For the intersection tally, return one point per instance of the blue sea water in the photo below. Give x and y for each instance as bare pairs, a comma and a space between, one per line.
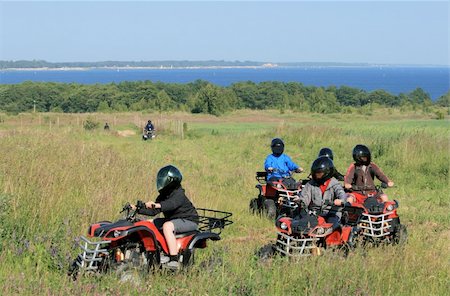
434, 80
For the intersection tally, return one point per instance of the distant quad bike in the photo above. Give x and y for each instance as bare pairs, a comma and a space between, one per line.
134, 244
311, 235
271, 194
379, 222
148, 135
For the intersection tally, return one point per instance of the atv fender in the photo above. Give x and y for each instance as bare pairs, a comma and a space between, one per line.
198, 239
146, 235
259, 186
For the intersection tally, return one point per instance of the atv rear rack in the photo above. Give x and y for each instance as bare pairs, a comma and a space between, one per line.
375, 225
295, 247
212, 220
92, 254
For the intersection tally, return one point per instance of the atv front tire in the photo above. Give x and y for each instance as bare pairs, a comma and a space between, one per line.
400, 235
271, 208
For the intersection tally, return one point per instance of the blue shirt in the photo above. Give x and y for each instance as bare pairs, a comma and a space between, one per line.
282, 165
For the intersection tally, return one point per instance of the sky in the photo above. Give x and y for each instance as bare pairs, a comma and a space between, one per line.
379, 32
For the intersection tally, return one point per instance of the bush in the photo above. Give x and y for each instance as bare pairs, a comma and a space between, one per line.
440, 115
90, 124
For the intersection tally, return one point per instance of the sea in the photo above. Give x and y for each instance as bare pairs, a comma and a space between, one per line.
433, 80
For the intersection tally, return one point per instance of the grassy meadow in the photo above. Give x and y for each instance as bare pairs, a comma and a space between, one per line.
56, 178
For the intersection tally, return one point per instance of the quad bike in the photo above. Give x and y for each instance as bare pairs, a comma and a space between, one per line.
148, 135
379, 220
132, 243
309, 234
271, 194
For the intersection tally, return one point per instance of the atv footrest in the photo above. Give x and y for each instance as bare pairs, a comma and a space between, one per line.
295, 247
92, 253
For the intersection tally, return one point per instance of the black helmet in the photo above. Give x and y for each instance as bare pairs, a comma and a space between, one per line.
325, 165
326, 152
168, 177
277, 146
361, 151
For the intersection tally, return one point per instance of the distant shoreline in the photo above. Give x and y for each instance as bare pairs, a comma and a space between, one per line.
220, 67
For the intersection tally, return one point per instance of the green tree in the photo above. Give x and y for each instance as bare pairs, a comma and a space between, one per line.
103, 107
444, 100
163, 102
210, 100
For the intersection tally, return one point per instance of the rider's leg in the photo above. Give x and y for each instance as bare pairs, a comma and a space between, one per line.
169, 234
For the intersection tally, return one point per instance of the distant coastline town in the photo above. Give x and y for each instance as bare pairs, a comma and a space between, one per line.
35, 65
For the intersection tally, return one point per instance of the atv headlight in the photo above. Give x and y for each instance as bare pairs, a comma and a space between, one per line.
389, 208
283, 226
117, 233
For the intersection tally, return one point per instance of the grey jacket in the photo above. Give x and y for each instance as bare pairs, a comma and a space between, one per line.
311, 195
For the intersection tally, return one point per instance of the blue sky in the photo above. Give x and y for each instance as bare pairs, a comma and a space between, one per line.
401, 32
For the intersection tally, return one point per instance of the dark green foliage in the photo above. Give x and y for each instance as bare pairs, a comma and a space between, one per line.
444, 101
200, 97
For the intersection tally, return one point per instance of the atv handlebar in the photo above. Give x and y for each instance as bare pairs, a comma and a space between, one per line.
377, 188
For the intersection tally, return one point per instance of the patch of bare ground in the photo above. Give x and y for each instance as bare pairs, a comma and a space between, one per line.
126, 133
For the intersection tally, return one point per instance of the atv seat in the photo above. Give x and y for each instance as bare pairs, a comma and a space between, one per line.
104, 228
184, 234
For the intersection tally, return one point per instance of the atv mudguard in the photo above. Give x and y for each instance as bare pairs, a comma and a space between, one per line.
199, 239
147, 236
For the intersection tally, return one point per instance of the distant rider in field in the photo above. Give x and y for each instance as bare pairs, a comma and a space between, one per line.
149, 127
279, 166
360, 176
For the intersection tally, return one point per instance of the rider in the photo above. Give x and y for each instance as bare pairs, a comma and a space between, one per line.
322, 192
329, 153
360, 176
180, 214
149, 127
278, 165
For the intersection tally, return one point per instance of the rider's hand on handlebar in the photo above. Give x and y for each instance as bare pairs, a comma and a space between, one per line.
270, 169
338, 202
150, 205
299, 170
348, 186
133, 207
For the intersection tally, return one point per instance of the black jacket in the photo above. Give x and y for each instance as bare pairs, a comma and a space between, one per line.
174, 205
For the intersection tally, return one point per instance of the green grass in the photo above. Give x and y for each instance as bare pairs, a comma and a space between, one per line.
56, 180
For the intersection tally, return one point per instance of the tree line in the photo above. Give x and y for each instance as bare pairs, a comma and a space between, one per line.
200, 97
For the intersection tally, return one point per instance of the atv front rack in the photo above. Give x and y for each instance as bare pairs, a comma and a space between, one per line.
296, 247
212, 220
375, 225
93, 253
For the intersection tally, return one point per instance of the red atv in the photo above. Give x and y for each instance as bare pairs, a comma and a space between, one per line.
379, 221
271, 194
139, 244
311, 234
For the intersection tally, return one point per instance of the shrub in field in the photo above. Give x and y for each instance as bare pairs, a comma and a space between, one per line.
90, 124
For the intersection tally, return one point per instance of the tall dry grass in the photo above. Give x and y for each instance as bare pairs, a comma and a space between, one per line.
55, 181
